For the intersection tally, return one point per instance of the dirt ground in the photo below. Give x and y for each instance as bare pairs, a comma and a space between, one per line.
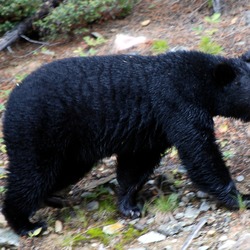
181, 23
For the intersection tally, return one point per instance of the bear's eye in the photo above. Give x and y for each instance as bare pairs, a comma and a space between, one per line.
237, 83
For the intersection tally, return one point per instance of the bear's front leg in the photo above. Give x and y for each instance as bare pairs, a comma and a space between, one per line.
133, 171
200, 154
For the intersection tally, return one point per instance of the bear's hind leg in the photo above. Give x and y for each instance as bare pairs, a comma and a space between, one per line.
133, 170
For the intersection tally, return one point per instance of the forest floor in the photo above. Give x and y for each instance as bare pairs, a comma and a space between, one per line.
181, 24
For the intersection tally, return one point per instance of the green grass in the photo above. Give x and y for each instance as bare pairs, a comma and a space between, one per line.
159, 46
208, 46
166, 203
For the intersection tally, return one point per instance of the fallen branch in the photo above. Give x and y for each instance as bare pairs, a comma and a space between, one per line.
194, 233
22, 28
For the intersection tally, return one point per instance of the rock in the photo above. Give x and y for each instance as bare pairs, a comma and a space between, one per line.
145, 23
243, 242
3, 171
151, 237
150, 221
123, 42
204, 207
204, 248
240, 178
139, 248
223, 238
170, 229
113, 228
8, 238
86, 194
58, 226
178, 48
211, 232
140, 226
190, 195
168, 248
191, 213
247, 17
3, 222
227, 245
179, 216
182, 170
201, 195
93, 205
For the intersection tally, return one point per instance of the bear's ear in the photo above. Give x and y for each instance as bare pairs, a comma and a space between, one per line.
224, 74
246, 57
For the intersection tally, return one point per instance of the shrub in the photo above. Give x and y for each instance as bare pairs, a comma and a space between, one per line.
72, 15
14, 11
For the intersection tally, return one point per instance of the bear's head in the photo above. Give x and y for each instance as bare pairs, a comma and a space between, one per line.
232, 79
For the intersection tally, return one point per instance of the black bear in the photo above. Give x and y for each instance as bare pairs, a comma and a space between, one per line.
69, 114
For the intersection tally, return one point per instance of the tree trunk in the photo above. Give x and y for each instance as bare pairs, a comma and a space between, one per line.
11, 36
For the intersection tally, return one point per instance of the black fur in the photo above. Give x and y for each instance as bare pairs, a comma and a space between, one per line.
68, 114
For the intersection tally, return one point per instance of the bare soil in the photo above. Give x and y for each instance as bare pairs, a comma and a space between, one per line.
174, 21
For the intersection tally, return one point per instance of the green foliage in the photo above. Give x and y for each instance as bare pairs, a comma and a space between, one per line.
13, 11
3, 96
159, 46
97, 233
92, 42
167, 203
210, 3
128, 236
72, 240
208, 46
35, 233
228, 154
215, 18
2, 189
198, 30
74, 14
242, 205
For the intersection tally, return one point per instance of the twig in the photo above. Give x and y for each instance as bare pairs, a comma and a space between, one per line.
34, 41
194, 233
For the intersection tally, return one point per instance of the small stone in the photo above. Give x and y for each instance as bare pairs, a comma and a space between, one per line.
92, 206
150, 221
140, 226
151, 237
86, 194
133, 222
191, 212
179, 216
182, 170
201, 195
190, 195
145, 23
247, 17
8, 238
228, 245
204, 207
203, 248
240, 178
223, 238
211, 232
3, 222
168, 248
139, 248
170, 229
58, 226
243, 242
113, 228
